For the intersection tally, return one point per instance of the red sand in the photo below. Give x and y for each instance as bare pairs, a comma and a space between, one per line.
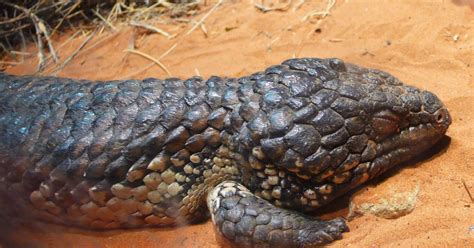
428, 44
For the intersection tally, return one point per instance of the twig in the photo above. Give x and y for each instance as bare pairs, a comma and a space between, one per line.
14, 30
61, 46
130, 75
23, 44
321, 14
73, 54
156, 61
467, 190
335, 40
100, 41
298, 5
40, 28
39, 25
79, 12
132, 40
176, 43
151, 28
203, 29
43, 29
14, 19
9, 48
104, 20
205, 17
41, 60
182, 20
145, 10
113, 12
133, 74
264, 8
269, 47
9, 63
20, 53
73, 7
5, 49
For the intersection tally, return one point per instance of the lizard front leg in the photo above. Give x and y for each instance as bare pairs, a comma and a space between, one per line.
242, 219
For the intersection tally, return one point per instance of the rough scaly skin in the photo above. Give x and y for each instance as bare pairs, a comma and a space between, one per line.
260, 150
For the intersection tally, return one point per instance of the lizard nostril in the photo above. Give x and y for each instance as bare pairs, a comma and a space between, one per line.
440, 116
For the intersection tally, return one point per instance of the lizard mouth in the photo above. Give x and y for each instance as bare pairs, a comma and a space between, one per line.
409, 142
392, 151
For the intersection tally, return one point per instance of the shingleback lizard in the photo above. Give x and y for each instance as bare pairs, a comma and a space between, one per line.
256, 152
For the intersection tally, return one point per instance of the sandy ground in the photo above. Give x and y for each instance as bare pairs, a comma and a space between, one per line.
429, 44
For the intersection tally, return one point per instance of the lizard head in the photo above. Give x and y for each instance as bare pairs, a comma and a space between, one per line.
355, 124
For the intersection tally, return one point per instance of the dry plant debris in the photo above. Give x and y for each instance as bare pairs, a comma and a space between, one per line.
266, 7
38, 21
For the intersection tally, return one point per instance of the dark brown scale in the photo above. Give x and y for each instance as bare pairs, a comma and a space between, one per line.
97, 167
236, 121
323, 98
273, 99
138, 170
357, 143
249, 110
173, 114
176, 139
306, 114
281, 121
195, 119
259, 126
328, 121
297, 103
180, 158
274, 148
288, 160
318, 161
335, 139
303, 139
355, 125
195, 143
245, 91
347, 107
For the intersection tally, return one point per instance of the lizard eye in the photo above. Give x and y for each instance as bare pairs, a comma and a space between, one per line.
385, 122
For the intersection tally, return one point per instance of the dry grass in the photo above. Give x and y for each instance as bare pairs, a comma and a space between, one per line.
38, 21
